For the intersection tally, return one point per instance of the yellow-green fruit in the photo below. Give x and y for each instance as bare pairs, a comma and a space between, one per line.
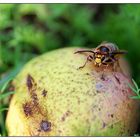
55, 98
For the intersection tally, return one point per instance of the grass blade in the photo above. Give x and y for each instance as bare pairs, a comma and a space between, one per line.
6, 94
3, 109
3, 128
135, 84
5, 86
135, 97
132, 88
135, 89
10, 75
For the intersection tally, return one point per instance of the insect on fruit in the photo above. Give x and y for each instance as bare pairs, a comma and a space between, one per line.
103, 55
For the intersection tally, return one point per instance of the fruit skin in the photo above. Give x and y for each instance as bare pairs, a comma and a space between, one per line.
55, 98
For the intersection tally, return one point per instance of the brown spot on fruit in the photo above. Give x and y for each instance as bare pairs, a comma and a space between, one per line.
78, 100
45, 125
87, 74
63, 119
29, 82
34, 96
112, 115
44, 93
32, 86
27, 108
34, 99
103, 125
117, 79
103, 77
66, 114
59, 131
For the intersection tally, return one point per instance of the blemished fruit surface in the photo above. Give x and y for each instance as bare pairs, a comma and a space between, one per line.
55, 98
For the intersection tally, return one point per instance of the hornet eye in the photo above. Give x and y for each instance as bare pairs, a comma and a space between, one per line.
104, 49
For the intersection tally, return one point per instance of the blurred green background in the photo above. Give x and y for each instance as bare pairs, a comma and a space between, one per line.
28, 30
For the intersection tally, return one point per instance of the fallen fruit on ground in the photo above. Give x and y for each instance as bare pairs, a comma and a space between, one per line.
55, 98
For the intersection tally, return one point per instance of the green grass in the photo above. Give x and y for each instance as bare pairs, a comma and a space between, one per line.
4, 106
135, 89
28, 30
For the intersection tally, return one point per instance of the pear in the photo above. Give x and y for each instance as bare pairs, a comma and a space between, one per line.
53, 97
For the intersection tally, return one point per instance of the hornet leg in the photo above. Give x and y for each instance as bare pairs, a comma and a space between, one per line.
89, 58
